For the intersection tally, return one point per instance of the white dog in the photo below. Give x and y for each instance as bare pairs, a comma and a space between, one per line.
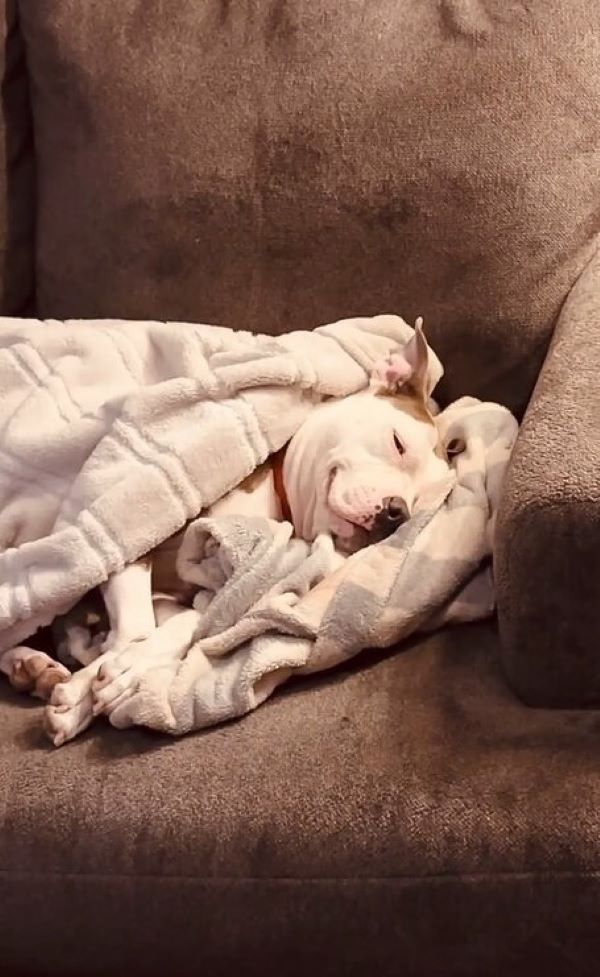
357, 469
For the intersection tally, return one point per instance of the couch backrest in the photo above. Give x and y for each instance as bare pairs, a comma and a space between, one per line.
273, 164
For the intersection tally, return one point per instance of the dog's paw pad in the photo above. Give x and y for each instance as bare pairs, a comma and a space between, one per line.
19, 677
36, 664
48, 680
34, 671
43, 674
393, 371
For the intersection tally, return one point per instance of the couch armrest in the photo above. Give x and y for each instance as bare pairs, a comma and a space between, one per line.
547, 561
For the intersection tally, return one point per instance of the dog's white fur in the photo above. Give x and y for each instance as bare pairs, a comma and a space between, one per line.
342, 471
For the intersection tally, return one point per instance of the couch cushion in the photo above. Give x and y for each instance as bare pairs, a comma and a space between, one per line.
278, 164
17, 177
383, 819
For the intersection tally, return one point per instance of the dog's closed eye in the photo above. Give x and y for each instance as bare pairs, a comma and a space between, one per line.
400, 448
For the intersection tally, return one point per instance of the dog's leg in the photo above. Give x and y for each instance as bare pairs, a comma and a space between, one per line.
118, 678
32, 671
61, 726
128, 598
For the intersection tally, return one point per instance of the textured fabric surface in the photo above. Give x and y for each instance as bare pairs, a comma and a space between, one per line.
548, 558
276, 164
17, 177
443, 824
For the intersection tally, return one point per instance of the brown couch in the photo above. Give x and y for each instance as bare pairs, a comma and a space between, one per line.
273, 164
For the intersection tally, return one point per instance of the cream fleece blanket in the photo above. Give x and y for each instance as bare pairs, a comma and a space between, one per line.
114, 434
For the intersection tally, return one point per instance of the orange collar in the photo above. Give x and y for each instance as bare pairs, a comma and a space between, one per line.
277, 468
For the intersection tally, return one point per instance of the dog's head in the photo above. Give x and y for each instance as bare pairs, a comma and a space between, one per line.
360, 467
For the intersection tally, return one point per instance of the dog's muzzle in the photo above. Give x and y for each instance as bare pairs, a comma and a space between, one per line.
392, 513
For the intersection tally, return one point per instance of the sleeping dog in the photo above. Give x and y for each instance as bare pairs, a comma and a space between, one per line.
356, 469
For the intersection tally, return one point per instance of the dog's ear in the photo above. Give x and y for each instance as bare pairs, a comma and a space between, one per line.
406, 371
416, 354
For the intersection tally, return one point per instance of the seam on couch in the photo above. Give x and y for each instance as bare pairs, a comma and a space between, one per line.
313, 880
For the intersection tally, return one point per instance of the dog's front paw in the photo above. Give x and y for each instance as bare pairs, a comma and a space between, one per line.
63, 723
35, 672
118, 676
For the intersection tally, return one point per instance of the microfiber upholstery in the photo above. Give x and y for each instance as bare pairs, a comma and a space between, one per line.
17, 172
405, 815
548, 558
282, 163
